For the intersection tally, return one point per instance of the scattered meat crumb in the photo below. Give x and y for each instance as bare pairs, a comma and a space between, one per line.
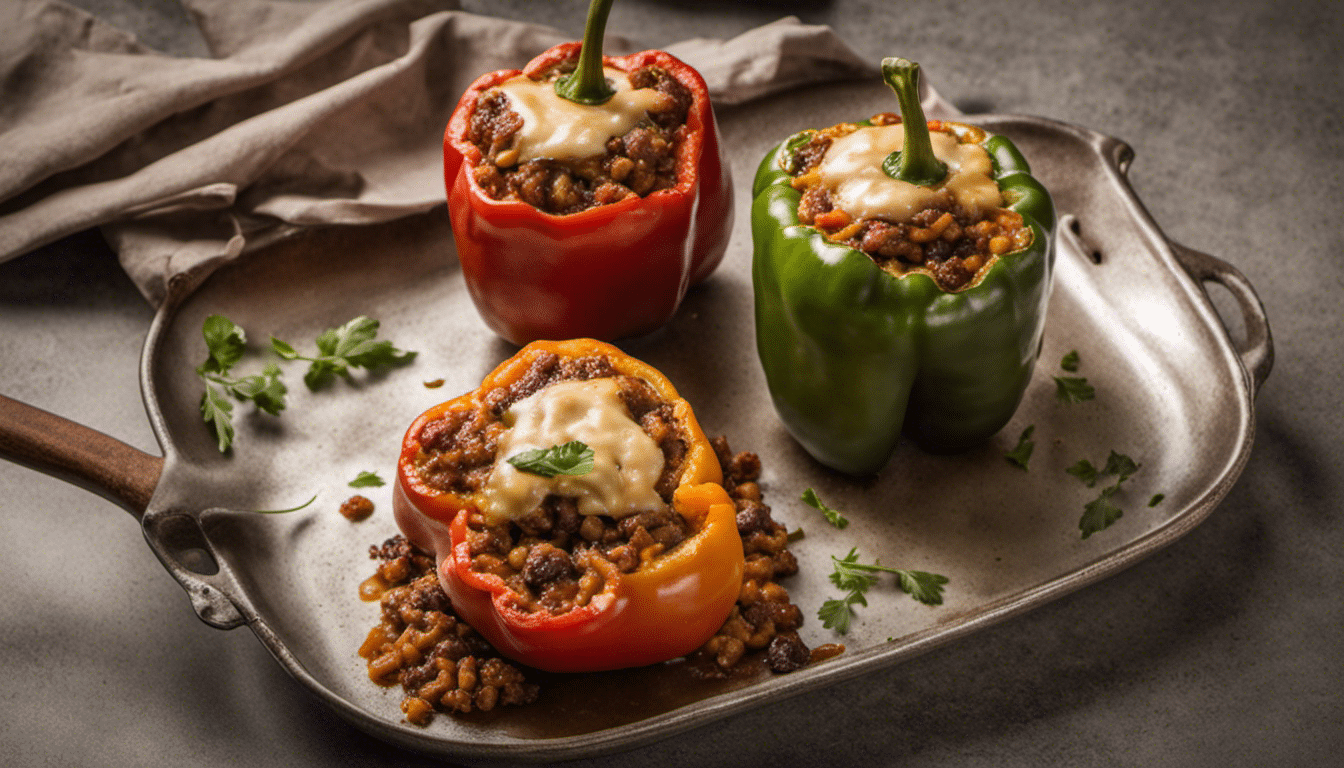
356, 508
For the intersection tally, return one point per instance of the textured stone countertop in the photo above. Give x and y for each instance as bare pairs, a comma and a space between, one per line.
1223, 649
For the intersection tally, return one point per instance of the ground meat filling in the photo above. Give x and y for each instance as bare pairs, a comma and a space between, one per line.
444, 666
419, 643
944, 241
763, 619
356, 508
548, 556
636, 164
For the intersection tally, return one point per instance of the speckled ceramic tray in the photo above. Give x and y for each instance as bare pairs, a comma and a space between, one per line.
1173, 392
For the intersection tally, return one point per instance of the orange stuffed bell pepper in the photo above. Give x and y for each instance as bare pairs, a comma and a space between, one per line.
584, 203
575, 510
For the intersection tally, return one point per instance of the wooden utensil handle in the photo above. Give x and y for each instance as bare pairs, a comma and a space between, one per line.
77, 454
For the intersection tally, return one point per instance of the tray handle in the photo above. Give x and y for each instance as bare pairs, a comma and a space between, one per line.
1257, 351
123, 474
78, 454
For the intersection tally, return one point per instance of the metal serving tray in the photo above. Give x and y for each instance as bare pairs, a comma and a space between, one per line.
1173, 392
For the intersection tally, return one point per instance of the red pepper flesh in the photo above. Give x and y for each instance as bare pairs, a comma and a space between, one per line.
607, 272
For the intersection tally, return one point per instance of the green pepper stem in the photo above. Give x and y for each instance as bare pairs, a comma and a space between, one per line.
915, 163
588, 83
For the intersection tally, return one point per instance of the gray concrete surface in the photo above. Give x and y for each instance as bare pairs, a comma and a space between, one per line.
1224, 649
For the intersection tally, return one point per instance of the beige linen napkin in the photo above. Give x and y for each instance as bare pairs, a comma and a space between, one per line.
305, 114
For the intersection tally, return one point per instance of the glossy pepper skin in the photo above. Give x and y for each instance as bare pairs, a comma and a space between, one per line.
606, 272
666, 608
855, 356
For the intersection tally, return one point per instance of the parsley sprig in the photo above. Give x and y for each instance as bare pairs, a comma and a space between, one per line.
856, 578
339, 349
225, 343
353, 345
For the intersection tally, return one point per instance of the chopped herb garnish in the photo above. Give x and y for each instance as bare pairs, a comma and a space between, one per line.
857, 578
836, 613
225, 342
218, 414
265, 389
1157, 499
1073, 389
366, 479
1084, 471
832, 516
1121, 465
925, 587
352, 345
572, 458
1021, 454
1101, 512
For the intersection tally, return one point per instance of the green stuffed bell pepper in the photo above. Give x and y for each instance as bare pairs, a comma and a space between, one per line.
901, 270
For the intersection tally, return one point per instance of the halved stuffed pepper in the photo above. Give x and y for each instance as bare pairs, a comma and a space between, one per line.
575, 510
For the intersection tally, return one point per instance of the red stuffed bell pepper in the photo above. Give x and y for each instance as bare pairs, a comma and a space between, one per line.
631, 560
591, 229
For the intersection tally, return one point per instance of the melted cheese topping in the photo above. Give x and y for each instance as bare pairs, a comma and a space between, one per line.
560, 129
626, 461
852, 171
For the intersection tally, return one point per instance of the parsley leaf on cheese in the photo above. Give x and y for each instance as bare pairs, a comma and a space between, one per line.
572, 458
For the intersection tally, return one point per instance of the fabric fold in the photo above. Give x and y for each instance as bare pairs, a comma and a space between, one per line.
309, 114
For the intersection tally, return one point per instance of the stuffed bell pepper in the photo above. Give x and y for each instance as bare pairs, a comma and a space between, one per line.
901, 270
575, 510
586, 193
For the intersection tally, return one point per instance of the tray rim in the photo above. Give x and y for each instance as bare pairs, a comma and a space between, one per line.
221, 600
